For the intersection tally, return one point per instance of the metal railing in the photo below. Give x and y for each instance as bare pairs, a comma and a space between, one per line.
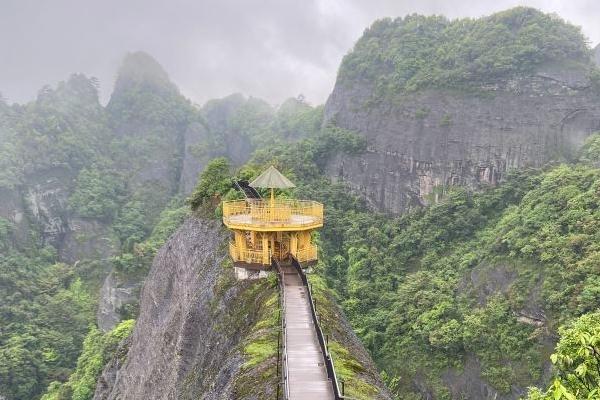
308, 253
338, 390
248, 256
282, 365
281, 212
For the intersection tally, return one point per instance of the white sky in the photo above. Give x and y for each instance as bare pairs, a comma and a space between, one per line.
271, 49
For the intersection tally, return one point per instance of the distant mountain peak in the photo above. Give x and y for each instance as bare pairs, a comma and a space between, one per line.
141, 68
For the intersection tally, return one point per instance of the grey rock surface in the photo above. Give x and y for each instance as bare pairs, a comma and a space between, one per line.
174, 338
113, 296
431, 139
46, 200
87, 238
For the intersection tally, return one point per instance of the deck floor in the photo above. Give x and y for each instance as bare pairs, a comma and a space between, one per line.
307, 374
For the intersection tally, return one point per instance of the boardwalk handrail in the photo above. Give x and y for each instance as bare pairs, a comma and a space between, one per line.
283, 342
279, 212
331, 374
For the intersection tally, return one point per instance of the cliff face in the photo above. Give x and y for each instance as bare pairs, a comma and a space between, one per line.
459, 102
198, 327
436, 138
188, 339
175, 335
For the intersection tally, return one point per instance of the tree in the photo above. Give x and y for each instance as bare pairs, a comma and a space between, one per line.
577, 362
214, 182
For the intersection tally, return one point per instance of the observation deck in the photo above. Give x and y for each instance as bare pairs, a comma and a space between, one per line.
276, 215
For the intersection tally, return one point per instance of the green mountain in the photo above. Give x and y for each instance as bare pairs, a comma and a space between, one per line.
458, 165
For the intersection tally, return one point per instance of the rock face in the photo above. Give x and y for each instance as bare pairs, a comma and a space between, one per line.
438, 138
172, 335
195, 319
113, 296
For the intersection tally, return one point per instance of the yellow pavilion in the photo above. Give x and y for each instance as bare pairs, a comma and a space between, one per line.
273, 227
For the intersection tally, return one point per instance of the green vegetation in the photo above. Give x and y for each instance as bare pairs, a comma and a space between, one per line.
577, 361
478, 276
45, 311
416, 52
97, 193
349, 368
477, 279
590, 151
417, 289
136, 259
98, 349
64, 159
214, 181
259, 304
263, 344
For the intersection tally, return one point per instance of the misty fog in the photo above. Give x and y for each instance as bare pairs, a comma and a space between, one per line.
271, 49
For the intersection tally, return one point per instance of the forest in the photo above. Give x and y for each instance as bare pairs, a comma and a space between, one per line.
501, 282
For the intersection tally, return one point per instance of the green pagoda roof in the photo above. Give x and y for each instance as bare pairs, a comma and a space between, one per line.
272, 178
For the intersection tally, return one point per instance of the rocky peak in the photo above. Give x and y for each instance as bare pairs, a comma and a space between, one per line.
467, 120
141, 69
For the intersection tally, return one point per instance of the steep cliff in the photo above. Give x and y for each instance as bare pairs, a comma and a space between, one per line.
201, 333
444, 103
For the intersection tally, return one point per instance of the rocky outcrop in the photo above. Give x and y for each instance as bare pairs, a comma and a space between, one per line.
46, 200
148, 112
422, 142
87, 239
113, 296
179, 334
194, 326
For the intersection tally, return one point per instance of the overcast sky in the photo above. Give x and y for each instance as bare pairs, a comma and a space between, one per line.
271, 49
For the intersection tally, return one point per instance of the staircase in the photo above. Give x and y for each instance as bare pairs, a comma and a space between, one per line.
248, 190
307, 368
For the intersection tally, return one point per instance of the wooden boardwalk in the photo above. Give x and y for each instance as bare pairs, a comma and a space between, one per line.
307, 377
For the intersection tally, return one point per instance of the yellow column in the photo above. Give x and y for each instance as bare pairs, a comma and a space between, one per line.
272, 243
240, 243
265, 244
294, 243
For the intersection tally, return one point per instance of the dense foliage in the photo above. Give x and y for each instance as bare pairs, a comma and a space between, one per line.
476, 284
98, 349
480, 277
45, 312
238, 126
416, 51
214, 181
577, 361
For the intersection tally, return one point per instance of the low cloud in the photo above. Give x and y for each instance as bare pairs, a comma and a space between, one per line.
271, 49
